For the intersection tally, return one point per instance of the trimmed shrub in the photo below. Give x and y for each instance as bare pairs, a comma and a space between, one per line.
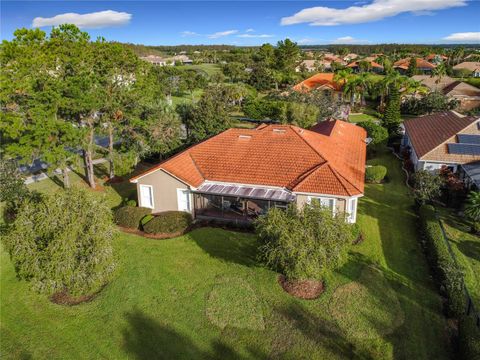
131, 203
168, 222
130, 216
449, 276
375, 174
468, 339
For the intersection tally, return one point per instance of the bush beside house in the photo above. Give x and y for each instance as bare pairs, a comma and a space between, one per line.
130, 216
375, 174
168, 222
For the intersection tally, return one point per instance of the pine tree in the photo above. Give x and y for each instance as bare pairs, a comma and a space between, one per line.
392, 118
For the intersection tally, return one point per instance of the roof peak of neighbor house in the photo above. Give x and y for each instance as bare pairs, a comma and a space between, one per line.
429, 131
277, 155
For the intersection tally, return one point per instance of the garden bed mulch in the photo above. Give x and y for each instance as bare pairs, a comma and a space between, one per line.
64, 298
162, 236
303, 289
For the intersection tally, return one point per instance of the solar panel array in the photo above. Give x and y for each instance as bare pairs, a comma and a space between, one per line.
246, 192
469, 139
464, 149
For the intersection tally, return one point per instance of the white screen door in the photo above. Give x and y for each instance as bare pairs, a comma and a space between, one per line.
146, 196
183, 198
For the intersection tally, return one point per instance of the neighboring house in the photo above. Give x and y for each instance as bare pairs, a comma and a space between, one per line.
157, 60
442, 139
314, 65
321, 82
472, 66
436, 58
467, 95
423, 66
350, 57
374, 67
241, 173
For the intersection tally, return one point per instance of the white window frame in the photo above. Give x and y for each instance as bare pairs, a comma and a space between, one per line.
151, 193
189, 200
322, 199
352, 213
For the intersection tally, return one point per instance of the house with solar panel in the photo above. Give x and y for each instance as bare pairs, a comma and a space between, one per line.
241, 173
444, 139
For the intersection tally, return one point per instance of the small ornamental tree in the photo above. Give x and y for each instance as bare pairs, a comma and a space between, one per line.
377, 133
62, 242
392, 117
13, 190
426, 186
303, 244
472, 210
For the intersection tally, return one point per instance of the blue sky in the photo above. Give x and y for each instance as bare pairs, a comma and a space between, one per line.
255, 22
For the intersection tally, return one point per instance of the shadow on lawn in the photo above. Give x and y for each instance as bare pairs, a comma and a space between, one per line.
470, 248
227, 245
145, 339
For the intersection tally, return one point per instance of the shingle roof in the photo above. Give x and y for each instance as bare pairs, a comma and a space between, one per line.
429, 131
318, 80
328, 159
469, 65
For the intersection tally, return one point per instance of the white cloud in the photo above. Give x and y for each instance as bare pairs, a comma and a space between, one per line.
93, 20
376, 10
464, 37
222, 34
251, 36
306, 41
349, 40
188, 33
249, 30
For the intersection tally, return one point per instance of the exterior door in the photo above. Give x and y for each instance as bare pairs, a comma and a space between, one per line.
183, 199
146, 196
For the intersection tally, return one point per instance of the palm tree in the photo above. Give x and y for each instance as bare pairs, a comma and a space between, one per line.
472, 210
350, 89
440, 71
342, 77
415, 87
363, 84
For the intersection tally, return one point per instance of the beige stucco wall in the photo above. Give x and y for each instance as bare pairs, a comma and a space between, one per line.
340, 203
164, 190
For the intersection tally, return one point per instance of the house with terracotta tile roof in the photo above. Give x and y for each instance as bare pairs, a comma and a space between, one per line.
423, 66
321, 82
436, 58
241, 173
374, 67
442, 139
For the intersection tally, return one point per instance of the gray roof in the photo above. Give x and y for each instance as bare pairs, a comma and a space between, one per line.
246, 191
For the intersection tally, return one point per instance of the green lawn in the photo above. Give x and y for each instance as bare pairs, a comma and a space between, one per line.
210, 69
203, 295
466, 247
356, 118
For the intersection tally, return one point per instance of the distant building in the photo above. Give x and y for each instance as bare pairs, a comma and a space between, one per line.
321, 82
472, 66
314, 65
374, 67
170, 61
423, 66
436, 58
467, 95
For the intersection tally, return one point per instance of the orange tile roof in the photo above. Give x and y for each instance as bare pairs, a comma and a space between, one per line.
421, 63
372, 64
318, 80
328, 159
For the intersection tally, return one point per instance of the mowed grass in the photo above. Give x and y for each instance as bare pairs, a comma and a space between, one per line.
209, 69
356, 118
203, 295
466, 247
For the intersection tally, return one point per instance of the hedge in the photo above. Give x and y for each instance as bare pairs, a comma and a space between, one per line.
129, 216
376, 173
168, 222
468, 339
449, 276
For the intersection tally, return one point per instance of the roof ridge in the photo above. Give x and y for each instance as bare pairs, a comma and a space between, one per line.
306, 142
197, 167
305, 175
338, 175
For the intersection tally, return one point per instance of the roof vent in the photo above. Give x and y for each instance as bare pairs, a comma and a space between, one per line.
246, 137
279, 131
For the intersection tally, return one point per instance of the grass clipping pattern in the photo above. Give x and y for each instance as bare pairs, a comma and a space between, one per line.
232, 302
367, 312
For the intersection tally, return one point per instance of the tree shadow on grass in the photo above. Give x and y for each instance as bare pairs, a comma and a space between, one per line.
227, 245
470, 248
146, 339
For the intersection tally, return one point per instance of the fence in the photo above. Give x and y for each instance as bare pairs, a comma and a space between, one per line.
469, 304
